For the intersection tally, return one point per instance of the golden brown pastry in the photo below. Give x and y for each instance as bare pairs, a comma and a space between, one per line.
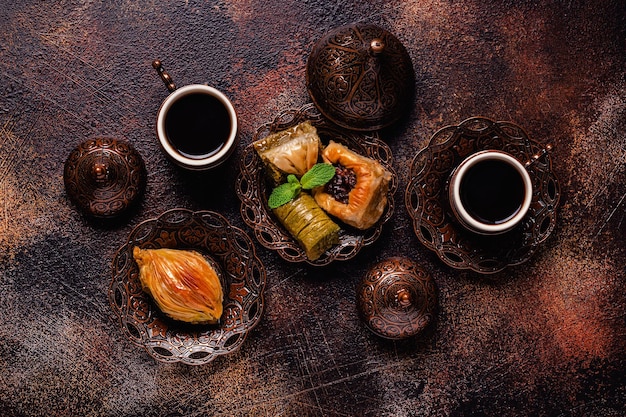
367, 199
182, 283
291, 151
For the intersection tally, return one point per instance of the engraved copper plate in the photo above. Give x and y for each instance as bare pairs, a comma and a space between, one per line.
427, 203
253, 190
397, 298
361, 77
104, 177
242, 274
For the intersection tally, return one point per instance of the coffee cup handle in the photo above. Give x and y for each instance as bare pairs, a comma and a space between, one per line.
167, 79
545, 151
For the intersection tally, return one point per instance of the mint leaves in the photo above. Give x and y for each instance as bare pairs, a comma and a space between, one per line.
318, 175
284, 193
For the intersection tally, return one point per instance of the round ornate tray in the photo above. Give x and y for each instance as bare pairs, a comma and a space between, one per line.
427, 203
253, 190
243, 279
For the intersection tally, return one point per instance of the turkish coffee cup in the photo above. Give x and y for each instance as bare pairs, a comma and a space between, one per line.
196, 124
490, 192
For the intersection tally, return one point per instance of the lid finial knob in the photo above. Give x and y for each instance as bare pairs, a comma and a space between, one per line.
377, 46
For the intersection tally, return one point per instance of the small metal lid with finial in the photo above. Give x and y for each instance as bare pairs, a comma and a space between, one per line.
397, 298
104, 177
361, 77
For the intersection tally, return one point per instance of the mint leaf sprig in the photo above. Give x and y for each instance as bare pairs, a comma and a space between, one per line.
318, 175
284, 193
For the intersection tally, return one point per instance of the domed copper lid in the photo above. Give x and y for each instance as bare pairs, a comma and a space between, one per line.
397, 298
360, 77
104, 177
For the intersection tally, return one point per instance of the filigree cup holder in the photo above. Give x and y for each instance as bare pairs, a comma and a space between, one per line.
253, 190
427, 202
243, 279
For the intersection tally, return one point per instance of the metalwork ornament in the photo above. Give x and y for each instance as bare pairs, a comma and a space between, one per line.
253, 190
397, 298
243, 278
360, 77
104, 177
427, 202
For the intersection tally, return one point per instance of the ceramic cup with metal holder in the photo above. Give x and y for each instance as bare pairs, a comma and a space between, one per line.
490, 192
196, 124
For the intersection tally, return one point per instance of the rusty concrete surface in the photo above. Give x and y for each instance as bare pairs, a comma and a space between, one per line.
546, 338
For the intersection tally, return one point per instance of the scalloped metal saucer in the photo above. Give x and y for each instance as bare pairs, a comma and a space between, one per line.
243, 277
427, 203
253, 191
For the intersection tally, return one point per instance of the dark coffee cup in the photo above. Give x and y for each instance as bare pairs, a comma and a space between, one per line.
196, 125
490, 192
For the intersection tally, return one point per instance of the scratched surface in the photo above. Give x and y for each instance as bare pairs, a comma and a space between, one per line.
547, 338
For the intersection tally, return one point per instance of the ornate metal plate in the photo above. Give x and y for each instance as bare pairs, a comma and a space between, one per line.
361, 77
427, 203
104, 177
243, 279
253, 190
397, 298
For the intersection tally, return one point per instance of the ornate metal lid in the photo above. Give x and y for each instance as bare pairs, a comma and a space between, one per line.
360, 77
397, 298
104, 177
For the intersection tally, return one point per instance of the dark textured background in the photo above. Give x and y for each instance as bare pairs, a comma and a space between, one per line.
547, 338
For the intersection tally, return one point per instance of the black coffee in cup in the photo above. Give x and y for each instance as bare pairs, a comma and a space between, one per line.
198, 125
492, 191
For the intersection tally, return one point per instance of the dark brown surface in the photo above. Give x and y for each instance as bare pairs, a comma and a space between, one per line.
547, 338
